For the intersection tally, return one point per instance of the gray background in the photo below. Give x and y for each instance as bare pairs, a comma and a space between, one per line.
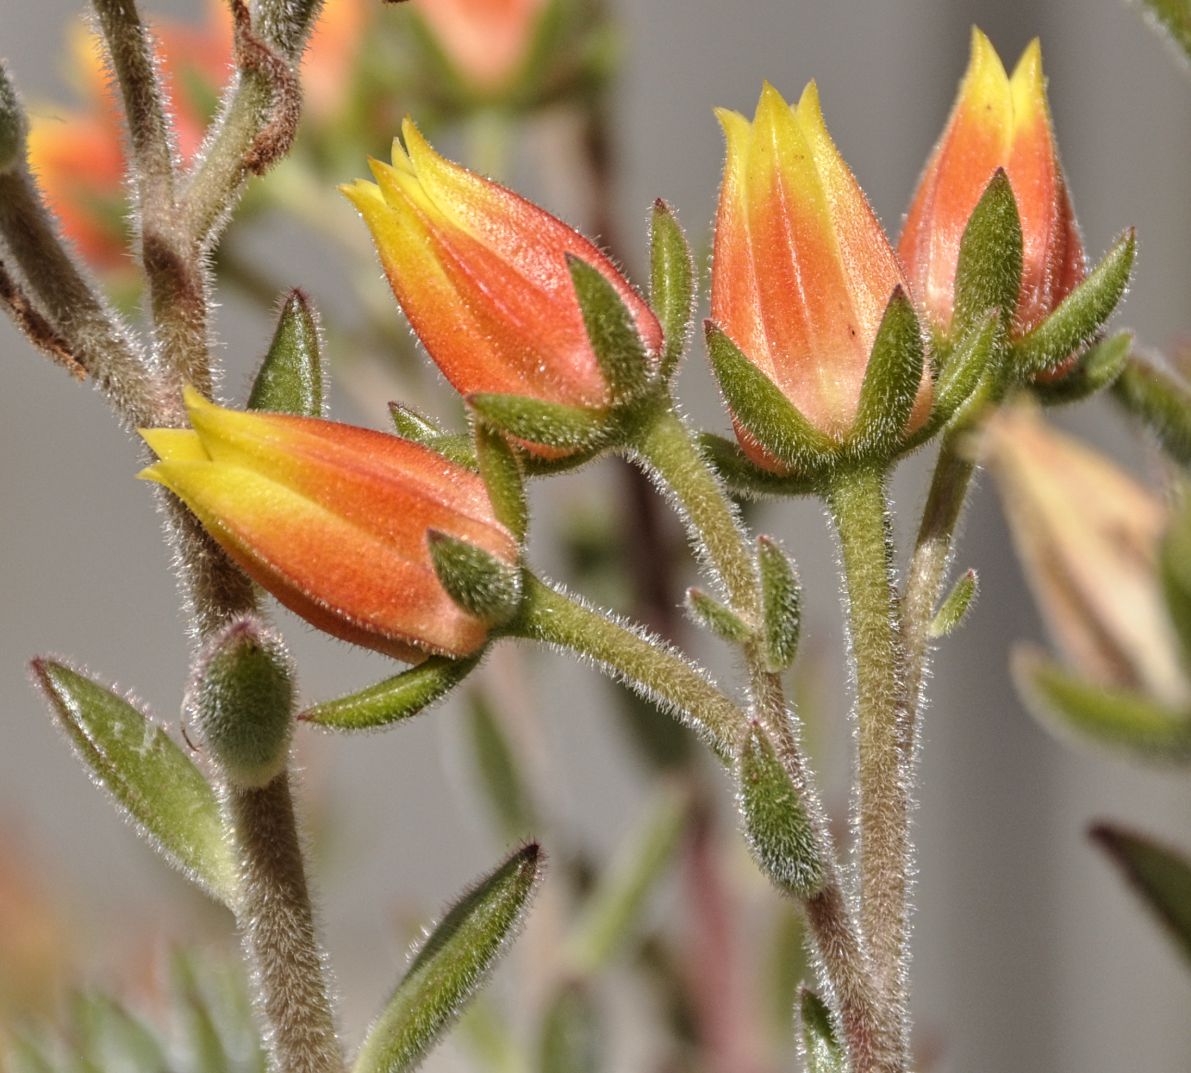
1029, 954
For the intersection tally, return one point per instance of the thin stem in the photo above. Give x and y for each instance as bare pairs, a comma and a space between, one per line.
859, 507
277, 928
644, 662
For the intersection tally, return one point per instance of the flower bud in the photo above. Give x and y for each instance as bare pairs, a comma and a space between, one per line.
334, 521
999, 121
802, 274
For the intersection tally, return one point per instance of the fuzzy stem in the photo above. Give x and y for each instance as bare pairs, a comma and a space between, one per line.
858, 504
277, 928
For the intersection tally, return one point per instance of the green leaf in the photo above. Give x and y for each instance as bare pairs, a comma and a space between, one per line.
891, 381
481, 584
572, 1036
204, 1044
1160, 876
502, 475
955, 607
1079, 316
291, 378
1119, 718
111, 1038
672, 283
499, 772
781, 604
1174, 16
745, 479
395, 699
1175, 569
714, 616
822, 1050
1162, 400
451, 966
413, 425
970, 365
776, 825
153, 781
611, 331
1097, 368
551, 424
23, 1055
988, 271
761, 408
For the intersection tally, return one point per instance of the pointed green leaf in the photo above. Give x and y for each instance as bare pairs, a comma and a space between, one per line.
571, 1033
412, 424
781, 604
499, 772
672, 283
1174, 16
204, 1044
1160, 876
714, 616
113, 1039
395, 699
551, 424
988, 272
745, 479
891, 381
1079, 316
776, 825
152, 780
502, 475
822, 1050
955, 607
22, 1054
1162, 400
1175, 568
481, 584
968, 371
761, 408
611, 331
291, 378
451, 966
1097, 368
1120, 718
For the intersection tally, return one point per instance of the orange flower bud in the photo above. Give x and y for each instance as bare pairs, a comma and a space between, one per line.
334, 521
482, 276
802, 272
998, 121
486, 41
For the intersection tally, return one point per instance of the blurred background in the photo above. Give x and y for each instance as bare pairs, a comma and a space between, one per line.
1029, 953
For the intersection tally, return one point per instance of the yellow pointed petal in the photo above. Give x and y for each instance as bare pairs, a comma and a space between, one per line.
1028, 88
175, 444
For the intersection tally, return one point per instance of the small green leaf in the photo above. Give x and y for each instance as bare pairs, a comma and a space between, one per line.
761, 408
395, 699
153, 781
1079, 316
1175, 569
502, 475
572, 1036
891, 381
714, 616
451, 966
291, 378
822, 1050
1174, 16
776, 825
22, 1054
498, 769
672, 283
204, 1044
955, 606
745, 479
1160, 876
1162, 400
412, 424
988, 271
551, 424
970, 366
781, 604
481, 584
611, 331
1097, 368
1119, 718
113, 1039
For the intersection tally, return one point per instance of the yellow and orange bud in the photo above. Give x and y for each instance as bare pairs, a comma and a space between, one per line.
334, 521
486, 41
482, 275
802, 272
998, 121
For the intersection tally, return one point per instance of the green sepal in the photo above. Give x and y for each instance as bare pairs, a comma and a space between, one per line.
781, 605
291, 379
479, 583
821, 1050
500, 469
743, 477
1175, 571
242, 698
672, 282
968, 375
1096, 368
709, 613
12, 124
550, 424
988, 271
395, 699
776, 825
761, 408
610, 330
413, 425
571, 1034
1161, 399
1122, 719
1174, 16
891, 382
499, 773
451, 966
955, 606
1079, 316
1160, 876
152, 780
